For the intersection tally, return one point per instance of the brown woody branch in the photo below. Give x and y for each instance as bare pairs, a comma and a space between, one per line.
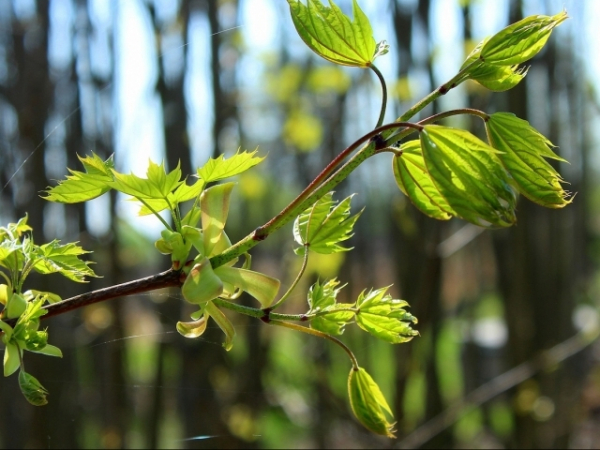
169, 278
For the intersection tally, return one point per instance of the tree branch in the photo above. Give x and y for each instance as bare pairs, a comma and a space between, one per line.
162, 280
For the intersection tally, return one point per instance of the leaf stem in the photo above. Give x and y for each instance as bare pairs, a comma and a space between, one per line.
294, 284
164, 222
432, 119
263, 314
384, 94
320, 334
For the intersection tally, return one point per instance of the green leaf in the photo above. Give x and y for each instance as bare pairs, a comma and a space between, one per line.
31, 388
524, 149
470, 176
154, 191
220, 168
258, 285
84, 186
520, 41
333, 319
49, 297
324, 225
192, 217
368, 403
15, 230
223, 322
332, 35
34, 311
202, 284
384, 317
16, 306
214, 203
7, 330
11, 359
330, 317
11, 255
414, 181
192, 330
182, 193
63, 259
49, 350
492, 76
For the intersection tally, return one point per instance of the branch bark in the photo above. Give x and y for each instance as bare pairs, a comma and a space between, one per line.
161, 280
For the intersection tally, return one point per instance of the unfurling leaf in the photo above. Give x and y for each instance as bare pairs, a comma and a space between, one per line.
193, 329
84, 186
520, 41
469, 175
221, 167
202, 284
49, 350
214, 203
64, 259
331, 317
368, 403
31, 388
16, 306
384, 317
414, 181
12, 361
332, 35
524, 149
324, 225
258, 285
492, 76
223, 322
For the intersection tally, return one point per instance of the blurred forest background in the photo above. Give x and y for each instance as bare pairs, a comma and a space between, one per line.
507, 356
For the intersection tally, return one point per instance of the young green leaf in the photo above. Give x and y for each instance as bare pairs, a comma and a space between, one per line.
214, 203
12, 361
368, 403
31, 388
182, 193
4, 294
414, 181
384, 317
333, 36
492, 76
328, 316
49, 350
202, 284
154, 191
524, 149
63, 259
221, 167
324, 225
258, 285
223, 322
16, 306
49, 297
13, 231
192, 330
84, 186
470, 176
520, 41
7, 330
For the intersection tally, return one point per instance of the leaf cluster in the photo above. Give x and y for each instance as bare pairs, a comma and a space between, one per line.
375, 311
